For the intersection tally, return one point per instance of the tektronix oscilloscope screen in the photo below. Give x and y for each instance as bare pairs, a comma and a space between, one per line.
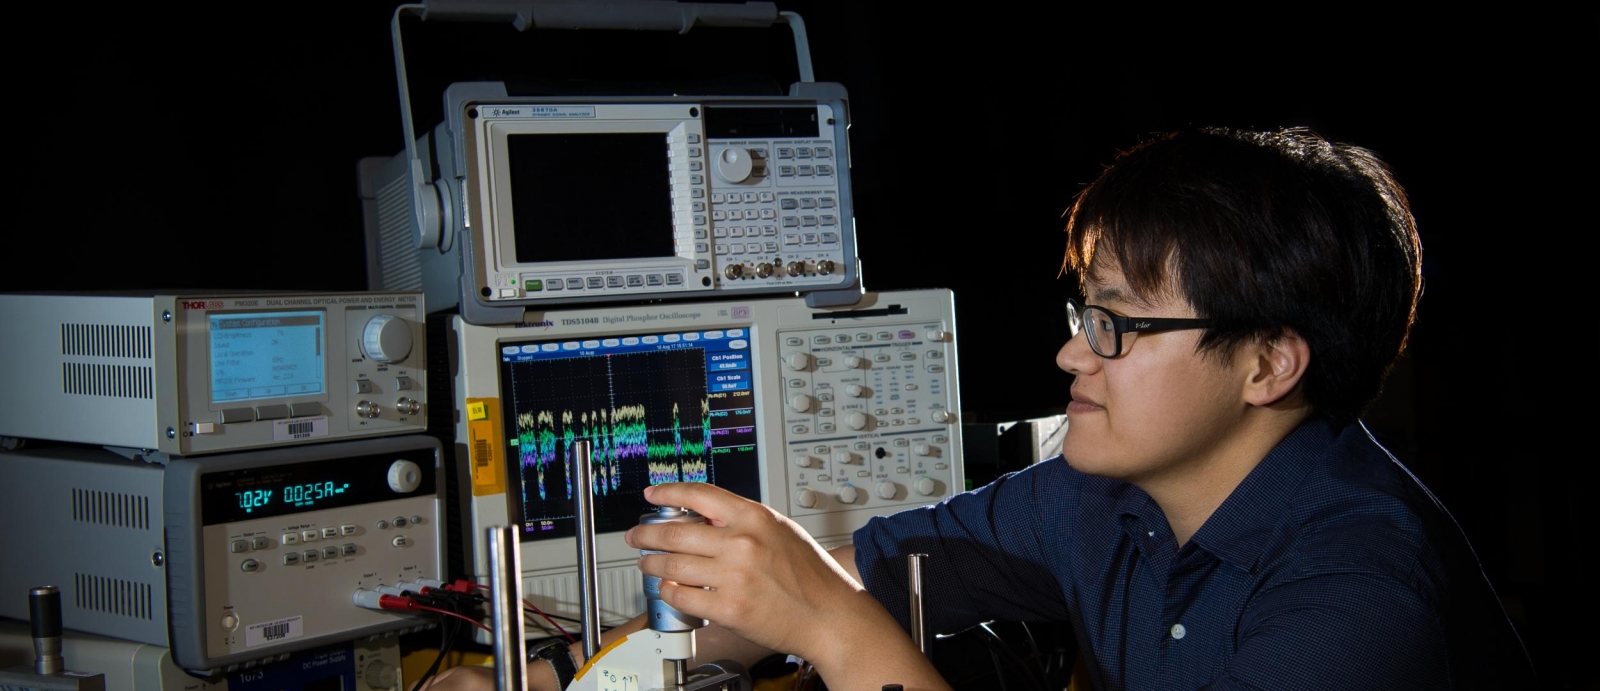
266, 355
668, 407
577, 197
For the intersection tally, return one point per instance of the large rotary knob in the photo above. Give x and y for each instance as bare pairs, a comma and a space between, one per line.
806, 498
381, 675
802, 403
798, 361
735, 164
386, 338
848, 494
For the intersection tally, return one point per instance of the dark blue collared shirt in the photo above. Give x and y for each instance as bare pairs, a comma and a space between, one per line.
1329, 567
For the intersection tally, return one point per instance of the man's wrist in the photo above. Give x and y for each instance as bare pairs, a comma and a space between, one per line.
559, 658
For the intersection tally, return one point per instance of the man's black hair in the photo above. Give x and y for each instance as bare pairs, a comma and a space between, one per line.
1262, 232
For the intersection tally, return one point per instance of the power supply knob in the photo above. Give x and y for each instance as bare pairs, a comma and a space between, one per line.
404, 477
798, 361
926, 486
855, 362
937, 335
381, 675
848, 494
858, 421
386, 338
884, 490
943, 416
856, 390
806, 498
735, 164
802, 403
797, 268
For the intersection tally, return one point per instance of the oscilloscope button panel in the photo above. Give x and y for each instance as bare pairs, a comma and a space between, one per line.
867, 415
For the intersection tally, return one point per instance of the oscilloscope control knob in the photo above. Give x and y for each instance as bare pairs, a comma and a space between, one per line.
858, 421
925, 450
845, 457
733, 271
806, 498
848, 494
368, 409
855, 362
797, 268
943, 416
404, 476
926, 486
825, 267
798, 361
764, 270
735, 164
937, 335
856, 390
802, 403
386, 338
885, 490
802, 461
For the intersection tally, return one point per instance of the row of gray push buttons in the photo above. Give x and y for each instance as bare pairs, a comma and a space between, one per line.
905, 334
280, 411
602, 282
786, 152
311, 555
400, 384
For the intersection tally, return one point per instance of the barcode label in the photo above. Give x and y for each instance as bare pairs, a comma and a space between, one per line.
269, 632
480, 452
300, 428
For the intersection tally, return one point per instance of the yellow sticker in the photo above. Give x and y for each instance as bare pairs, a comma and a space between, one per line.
486, 446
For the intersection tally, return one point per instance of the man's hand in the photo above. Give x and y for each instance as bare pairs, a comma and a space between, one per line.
756, 573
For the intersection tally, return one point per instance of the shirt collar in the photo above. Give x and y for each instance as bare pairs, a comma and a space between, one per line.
1237, 532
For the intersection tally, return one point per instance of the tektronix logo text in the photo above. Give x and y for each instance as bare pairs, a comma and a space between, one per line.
200, 304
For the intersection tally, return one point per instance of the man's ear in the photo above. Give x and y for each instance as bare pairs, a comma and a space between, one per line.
1275, 367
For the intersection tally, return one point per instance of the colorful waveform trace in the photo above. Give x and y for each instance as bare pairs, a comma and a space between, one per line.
616, 435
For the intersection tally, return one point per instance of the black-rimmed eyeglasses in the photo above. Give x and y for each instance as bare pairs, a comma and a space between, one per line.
1109, 333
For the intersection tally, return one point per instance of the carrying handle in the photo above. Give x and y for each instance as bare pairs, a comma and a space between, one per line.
652, 15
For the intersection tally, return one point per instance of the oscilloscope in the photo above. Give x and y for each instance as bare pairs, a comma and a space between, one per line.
828, 416
552, 200
206, 373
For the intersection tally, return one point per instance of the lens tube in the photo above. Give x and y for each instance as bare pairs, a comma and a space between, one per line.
662, 616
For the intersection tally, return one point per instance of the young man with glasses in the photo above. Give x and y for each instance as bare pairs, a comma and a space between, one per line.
1219, 517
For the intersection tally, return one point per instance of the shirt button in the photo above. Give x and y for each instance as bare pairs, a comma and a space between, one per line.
1178, 632
1152, 533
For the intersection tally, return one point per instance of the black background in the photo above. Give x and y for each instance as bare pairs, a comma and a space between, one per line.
165, 148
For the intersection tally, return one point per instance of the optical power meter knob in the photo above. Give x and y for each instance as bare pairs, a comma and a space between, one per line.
663, 617
386, 338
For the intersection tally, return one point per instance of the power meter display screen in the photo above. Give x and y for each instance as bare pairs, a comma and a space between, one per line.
266, 355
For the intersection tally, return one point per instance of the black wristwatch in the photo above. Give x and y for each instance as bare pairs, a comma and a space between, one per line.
560, 659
